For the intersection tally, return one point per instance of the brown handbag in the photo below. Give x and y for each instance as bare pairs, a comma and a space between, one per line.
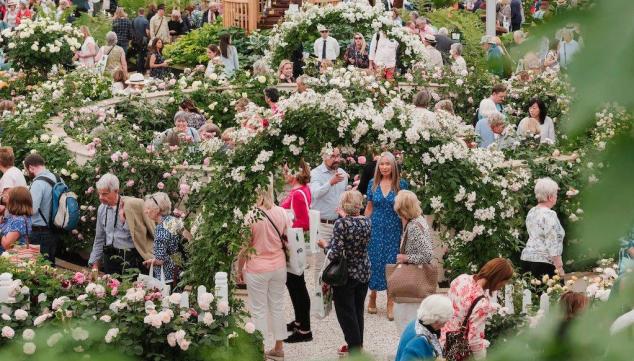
410, 283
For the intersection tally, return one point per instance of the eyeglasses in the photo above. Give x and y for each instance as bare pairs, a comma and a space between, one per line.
357, 38
324, 31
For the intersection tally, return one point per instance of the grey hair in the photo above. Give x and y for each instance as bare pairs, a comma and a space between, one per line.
435, 308
420, 21
108, 181
111, 38
456, 48
181, 115
160, 201
422, 98
443, 31
351, 202
495, 118
544, 188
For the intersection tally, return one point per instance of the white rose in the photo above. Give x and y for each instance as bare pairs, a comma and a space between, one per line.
208, 319
105, 318
29, 348
79, 334
175, 298
8, 332
171, 339
111, 334
20, 315
261, 79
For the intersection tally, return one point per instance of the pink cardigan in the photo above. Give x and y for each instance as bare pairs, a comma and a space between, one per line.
269, 255
300, 208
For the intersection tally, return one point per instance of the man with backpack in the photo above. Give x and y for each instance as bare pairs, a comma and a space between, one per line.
42, 194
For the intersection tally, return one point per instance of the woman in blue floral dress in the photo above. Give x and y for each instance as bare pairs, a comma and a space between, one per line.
386, 225
166, 235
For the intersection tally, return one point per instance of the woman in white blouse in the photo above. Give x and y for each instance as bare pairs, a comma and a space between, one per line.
542, 253
459, 65
538, 122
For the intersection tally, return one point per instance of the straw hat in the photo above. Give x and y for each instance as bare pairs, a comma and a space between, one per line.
136, 79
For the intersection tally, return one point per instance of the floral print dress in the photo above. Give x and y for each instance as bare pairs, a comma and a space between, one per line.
165, 245
350, 237
386, 234
462, 292
545, 236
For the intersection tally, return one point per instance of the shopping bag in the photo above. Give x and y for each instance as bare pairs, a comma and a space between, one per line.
321, 302
313, 232
296, 246
149, 282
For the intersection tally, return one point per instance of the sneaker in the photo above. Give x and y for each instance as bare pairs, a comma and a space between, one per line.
343, 351
299, 337
292, 326
274, 355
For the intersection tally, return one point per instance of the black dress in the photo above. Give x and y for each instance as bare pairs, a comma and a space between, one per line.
158, 73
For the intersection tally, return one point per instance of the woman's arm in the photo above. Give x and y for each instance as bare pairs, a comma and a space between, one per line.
124, 63
236, 63
153, 62
419, 247
9, 239
368, 208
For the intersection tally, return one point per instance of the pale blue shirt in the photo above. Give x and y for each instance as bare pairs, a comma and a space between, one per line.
230, 63
325, 196
107, 235
484, 132
42, 195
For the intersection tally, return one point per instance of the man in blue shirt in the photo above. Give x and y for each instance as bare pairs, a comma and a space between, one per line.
42, 195
488, 129
140, 38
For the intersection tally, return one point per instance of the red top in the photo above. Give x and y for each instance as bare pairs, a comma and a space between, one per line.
297, 203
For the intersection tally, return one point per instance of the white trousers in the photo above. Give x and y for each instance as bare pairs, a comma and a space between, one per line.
266, 293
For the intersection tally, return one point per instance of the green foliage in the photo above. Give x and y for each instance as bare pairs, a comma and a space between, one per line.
190, 50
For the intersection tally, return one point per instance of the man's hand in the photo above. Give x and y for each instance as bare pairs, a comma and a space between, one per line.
338, 177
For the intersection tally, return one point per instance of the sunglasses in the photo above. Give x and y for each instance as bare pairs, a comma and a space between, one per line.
357, 38
324, 31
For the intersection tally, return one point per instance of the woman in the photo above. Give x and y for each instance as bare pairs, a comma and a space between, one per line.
118, 83
538, 122
416, 246
195, 118
572, 304
86, 55
122, 26
420, 341
17, 224
469, 290
357, 52
350, 238
176, 25
11, 176
24, 13
298, 201
285, 72
157, 65
459, 65
542, 253
551, 62
11, 16
184, 132
264, 270
209, 131
386, 225
421, 101
568, 47
213, 53
115, 56
228, 55
166, 237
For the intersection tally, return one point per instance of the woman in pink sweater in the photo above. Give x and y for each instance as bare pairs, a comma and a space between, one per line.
298, 201
263, 267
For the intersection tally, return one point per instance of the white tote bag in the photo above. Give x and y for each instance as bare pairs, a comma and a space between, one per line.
321, 299
313, 224
296, 251
150, 282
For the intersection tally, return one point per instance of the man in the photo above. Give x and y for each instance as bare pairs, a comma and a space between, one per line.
212, 13
493, 103
327, 184
494, 55
124, 235
42, 194
140, 38
516, 14
433, 55
158, 25
489, 129
382, 55
443, 43
326, 47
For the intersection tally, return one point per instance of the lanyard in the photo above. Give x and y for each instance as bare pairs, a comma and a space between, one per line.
116, 220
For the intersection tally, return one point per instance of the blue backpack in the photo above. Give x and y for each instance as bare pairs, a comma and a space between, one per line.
64, 207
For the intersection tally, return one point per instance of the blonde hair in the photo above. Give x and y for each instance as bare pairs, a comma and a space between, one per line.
265, 197
281, 67
363, 44
160, 201
396, 175
351, 202
544, 188
407, 205
120, 13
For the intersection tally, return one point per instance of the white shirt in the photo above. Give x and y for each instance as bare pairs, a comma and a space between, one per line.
547, 131
325, 197
623, 322
459, 66
12, 178
385, 53
487, 106
332, 48
567, 51
435, 58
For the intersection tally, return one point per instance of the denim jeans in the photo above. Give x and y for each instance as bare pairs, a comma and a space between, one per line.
48, 241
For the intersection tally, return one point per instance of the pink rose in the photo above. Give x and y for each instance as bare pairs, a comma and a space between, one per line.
90, 190
113, 283
129, 183
172, 81
183, 189
249, 327
166, 175
114, 291
206, 161
150, 148
115, 156
351, 160
79, 278
126, 164
124, 155
361, 160
160, 185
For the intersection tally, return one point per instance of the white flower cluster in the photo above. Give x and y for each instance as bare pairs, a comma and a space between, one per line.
262, 158
25, 32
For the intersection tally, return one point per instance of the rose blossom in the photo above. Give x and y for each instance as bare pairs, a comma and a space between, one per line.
114, 291
206, 161
171, 339
223, 307
111, 334
208, 318
28, 348
20, 315
184, 189
249, 327
113, 283
205, 300
105, 318
175, 298
160, 185
184, 344
28, 334
54, 339
129, 183
7, 332
79, 278
361, 160
167, 175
